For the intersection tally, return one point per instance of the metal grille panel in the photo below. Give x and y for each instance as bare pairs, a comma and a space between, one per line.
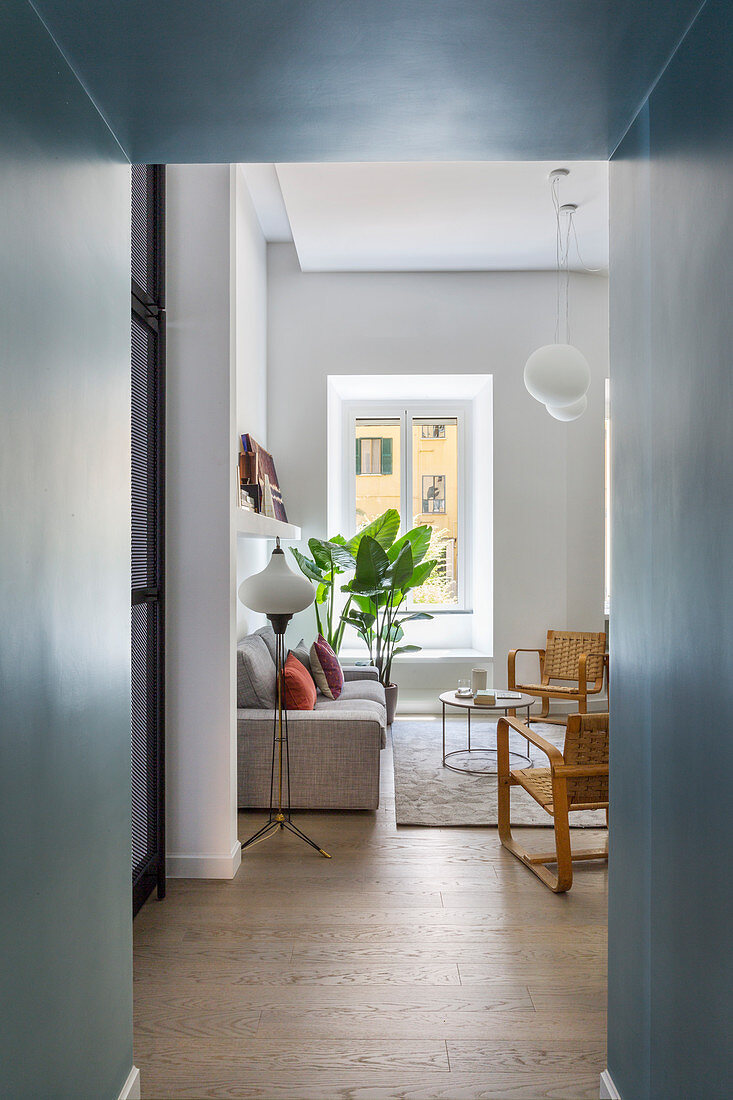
144, 725
141, 266
147, 746
144, 471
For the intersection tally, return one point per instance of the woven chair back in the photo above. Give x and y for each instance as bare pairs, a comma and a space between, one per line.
586, 742
563, 649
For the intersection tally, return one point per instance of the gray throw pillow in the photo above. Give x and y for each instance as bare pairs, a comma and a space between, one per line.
268, 637
302, 653
256, 682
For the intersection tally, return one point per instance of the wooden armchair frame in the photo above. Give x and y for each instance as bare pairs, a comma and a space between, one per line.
549, 788
569, 655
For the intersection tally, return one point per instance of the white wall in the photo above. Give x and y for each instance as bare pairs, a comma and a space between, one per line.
249, 335
548, 476
216, 338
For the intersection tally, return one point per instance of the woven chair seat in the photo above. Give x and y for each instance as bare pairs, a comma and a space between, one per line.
542, 689
584, 794
537, 782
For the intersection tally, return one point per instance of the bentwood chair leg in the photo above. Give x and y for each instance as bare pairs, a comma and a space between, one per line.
563, 880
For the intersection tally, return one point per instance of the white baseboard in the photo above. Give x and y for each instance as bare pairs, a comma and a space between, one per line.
177, 866
608, 1089
131, 1087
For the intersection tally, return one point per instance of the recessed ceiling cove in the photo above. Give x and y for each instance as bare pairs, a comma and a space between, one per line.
485, 216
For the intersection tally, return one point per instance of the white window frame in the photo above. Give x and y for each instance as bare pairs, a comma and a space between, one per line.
437, 410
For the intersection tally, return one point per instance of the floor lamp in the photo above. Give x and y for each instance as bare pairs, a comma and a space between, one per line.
278, 593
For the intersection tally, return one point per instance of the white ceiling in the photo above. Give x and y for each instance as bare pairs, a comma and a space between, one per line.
459, 216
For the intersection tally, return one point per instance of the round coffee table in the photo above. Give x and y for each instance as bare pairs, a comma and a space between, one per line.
465, 702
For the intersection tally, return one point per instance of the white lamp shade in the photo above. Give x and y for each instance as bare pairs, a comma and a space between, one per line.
568, 412
557, 374
277, 590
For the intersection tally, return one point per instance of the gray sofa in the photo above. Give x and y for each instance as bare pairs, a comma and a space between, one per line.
334, 749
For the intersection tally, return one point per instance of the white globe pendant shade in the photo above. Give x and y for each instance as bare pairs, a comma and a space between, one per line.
557, 375
277, 590
568, 412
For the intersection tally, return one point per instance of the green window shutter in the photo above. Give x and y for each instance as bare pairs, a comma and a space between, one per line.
358, 456
386, 456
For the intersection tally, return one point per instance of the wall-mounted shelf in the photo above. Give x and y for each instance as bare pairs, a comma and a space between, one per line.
253, 525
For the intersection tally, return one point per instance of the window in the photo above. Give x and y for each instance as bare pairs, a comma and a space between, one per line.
414, 463
433, 493
373, 456
398, 407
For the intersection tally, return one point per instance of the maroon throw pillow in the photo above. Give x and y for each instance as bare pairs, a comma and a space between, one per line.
300, 691
326, 668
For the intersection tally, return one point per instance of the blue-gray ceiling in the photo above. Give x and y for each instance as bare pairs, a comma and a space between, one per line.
269, 80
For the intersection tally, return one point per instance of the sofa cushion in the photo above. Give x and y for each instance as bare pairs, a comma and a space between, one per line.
300, 691
345, 712
268, 637
364, 689
256, 686
326, 668
301, 652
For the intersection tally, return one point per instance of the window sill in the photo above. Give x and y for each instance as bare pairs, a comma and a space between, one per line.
423, 656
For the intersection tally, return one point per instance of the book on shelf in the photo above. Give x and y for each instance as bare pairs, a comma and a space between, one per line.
257, 470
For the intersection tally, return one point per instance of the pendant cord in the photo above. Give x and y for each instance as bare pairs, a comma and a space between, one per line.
562, 262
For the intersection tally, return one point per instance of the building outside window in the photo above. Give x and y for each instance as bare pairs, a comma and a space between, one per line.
411, 463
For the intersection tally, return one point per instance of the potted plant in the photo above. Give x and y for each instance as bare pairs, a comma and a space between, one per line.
332, 558
382, 579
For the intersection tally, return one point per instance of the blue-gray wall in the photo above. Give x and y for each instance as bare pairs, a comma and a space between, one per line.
670, 956
65, 925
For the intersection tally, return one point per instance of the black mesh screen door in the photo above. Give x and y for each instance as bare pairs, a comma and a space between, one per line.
148, 448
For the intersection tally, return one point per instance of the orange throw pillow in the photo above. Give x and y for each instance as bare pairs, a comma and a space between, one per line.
300, 691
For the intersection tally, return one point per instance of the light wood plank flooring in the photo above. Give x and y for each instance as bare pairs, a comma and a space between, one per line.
423, 964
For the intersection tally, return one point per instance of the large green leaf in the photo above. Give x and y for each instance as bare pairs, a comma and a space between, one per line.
309, 568
371, 566
402, 569
419, 540
421, 574
360, 619
383, 529
341, 555
330, 554
406, 649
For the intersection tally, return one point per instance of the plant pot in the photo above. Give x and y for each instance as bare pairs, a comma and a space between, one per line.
390, 693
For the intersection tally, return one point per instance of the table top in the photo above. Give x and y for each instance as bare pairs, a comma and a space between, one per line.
454, 700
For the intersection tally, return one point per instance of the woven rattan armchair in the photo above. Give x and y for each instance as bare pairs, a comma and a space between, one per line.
577, 779
573, 656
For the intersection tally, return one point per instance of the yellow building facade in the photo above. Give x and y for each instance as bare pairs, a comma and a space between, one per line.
435, 491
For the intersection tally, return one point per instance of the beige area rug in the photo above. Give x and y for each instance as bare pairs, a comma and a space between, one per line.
426, 793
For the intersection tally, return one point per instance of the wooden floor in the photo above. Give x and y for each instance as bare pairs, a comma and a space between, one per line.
417, 963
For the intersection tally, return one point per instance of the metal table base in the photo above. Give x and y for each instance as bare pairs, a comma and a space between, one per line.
478, 748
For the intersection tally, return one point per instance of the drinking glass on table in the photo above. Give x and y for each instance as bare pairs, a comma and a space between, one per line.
464, 687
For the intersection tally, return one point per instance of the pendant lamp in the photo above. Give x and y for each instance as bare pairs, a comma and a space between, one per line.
558, 374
